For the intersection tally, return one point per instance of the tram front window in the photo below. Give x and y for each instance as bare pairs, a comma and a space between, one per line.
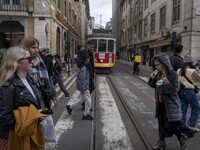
102, 45
110, 45
94, 42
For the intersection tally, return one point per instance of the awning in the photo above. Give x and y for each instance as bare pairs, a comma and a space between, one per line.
11, 26
161, 42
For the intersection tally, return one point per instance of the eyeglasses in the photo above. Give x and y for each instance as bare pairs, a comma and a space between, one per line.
30, 59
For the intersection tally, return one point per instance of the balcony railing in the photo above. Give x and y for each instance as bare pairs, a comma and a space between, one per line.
13, 8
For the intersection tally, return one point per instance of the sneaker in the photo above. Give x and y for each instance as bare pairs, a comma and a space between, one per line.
67, 97
88, 117
69, 110
195, 129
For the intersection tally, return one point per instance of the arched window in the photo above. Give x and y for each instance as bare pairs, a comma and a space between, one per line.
58, 41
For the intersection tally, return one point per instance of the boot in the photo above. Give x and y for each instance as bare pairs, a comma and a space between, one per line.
159, 145
182, 141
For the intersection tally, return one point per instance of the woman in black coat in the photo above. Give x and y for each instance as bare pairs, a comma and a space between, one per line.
168, 109
16, 89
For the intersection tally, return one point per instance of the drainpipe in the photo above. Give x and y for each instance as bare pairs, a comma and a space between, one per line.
191, 23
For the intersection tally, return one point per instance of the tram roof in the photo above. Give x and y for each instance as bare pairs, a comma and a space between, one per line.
104, 35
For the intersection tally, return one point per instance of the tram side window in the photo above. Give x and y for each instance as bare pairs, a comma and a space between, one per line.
94, 42
102, 45
110, 45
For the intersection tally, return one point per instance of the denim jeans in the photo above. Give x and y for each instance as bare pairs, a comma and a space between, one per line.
59, 79
191, 99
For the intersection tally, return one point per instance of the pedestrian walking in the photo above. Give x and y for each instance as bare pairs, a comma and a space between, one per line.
82, 85
48, 60
168, 108
176, 60
90, 65
137, 61
67, 59
17, 90
189, 77
58, 77
39, 72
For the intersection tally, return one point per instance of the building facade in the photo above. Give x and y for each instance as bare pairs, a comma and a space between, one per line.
156, 24
53, 22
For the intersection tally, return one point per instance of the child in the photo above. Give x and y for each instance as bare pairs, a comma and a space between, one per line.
82, 85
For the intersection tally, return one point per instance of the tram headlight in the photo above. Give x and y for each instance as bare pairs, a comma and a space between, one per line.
101, 60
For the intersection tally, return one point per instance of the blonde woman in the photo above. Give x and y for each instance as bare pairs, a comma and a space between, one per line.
168, 109
15, 89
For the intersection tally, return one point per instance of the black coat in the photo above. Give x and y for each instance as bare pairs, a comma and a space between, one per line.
49, 64
176, 61
169, 90
13, 94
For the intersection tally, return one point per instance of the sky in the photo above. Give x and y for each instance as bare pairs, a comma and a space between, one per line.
103, 7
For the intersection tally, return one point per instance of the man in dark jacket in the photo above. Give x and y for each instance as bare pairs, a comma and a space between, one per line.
176, 60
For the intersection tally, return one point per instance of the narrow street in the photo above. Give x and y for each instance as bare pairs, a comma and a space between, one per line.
112, 128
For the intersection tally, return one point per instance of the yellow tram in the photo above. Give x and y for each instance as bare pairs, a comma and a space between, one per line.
104, 50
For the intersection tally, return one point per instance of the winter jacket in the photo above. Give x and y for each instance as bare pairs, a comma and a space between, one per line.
176, 61
82, 78
49, 64
13, 94
169, 90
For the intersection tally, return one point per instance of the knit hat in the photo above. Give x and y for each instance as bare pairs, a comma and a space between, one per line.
45, 49
178, 48
189, 59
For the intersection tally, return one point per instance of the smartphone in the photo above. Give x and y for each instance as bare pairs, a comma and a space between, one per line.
47, 111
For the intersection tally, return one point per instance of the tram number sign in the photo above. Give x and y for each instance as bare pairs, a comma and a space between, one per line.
101, 55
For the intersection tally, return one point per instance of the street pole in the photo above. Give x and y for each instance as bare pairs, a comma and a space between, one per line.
67, 49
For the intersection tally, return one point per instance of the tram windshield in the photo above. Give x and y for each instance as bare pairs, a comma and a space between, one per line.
102, 45
110, 45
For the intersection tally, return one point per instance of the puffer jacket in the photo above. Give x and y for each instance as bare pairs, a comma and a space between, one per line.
169, 90
82, 78
14, 94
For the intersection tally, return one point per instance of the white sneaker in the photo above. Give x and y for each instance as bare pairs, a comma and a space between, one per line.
195, 129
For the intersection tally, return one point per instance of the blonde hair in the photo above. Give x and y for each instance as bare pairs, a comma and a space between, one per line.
10, 62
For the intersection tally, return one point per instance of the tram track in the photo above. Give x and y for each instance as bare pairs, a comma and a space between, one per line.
133, 119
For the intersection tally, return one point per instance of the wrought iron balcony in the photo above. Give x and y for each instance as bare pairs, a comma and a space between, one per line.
13, 8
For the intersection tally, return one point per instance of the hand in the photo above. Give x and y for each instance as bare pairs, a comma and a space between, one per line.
153, 74
43, 117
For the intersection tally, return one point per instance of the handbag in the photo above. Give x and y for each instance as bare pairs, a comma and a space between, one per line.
49, 130
196, 89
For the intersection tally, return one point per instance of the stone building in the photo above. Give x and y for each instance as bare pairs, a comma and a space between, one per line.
156, 24
53, 22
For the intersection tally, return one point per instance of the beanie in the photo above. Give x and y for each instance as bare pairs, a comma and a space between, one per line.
45, 49
178, 48
189, 59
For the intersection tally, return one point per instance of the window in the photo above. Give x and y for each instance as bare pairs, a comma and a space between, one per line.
176, 10
58, 41
152, 1
146, 3
145, 25
102, 45
69, 12
58, 4
140, 30
153, 17
162, 16
94, 42
65, 8
141, 6
110, 45
11, 2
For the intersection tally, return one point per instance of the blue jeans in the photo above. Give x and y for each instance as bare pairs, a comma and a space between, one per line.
191, 99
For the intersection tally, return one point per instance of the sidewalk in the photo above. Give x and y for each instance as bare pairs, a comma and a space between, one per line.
146, 70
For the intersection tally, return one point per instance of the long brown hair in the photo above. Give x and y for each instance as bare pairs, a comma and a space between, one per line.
27, 42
